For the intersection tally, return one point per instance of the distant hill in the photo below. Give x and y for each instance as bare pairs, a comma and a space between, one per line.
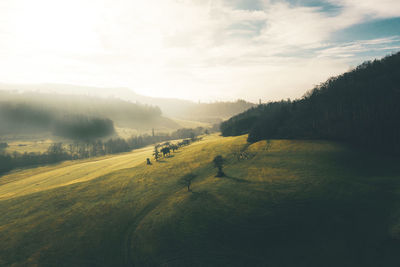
34, 112
213, 112
171, 107
360, 107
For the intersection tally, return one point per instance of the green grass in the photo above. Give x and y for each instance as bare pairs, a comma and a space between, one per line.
296, 203
22, 146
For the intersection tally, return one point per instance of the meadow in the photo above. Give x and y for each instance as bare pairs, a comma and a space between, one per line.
287, 203
27, 146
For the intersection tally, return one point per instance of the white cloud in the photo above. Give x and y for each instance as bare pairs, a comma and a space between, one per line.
352, 48
371, 8
188, 48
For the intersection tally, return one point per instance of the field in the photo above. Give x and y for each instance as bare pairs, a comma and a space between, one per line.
28, 146
288, 203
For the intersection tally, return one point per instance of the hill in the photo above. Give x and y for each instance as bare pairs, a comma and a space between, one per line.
33, 112
170, 107
287, 203
215, 112
359, 107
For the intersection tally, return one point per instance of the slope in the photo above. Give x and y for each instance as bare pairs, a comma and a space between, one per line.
44, 178
288, 203
359, 107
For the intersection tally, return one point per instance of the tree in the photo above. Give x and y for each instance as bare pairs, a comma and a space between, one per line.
174, 147
165, 151
187, 179
156, 153
218, 163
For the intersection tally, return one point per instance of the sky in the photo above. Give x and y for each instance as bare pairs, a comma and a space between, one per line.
203, 50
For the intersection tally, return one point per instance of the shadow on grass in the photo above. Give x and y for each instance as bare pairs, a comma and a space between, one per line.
203, 196
238, 180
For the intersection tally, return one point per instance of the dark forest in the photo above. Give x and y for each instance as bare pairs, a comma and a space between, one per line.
360, 107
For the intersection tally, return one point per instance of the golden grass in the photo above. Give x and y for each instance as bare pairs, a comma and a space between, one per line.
45, 178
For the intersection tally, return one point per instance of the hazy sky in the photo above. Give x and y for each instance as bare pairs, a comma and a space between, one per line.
194, 49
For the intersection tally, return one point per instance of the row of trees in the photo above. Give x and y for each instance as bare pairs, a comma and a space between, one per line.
80, 150
359, 107
55, 153
166, 148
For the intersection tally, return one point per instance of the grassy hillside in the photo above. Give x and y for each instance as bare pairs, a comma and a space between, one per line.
291, 203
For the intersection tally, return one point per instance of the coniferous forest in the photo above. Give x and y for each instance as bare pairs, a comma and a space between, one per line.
360, 107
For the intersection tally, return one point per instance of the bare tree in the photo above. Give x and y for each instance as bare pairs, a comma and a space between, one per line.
187, 179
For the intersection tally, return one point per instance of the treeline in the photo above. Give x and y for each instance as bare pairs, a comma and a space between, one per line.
82, 127
58, 152
164, 149
27, 118
30, 112
360, 107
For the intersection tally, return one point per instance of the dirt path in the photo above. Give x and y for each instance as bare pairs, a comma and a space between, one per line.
127, 242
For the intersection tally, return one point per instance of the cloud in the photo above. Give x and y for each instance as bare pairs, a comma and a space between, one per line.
351, 49
185, 48
370, 8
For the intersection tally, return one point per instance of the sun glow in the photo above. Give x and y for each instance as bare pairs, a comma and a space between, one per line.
208, 50
56, 26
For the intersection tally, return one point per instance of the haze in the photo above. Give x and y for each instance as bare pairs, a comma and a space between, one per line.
198, 50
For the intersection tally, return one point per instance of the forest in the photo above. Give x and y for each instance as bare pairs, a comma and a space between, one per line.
360, 107
32, 112
16, 118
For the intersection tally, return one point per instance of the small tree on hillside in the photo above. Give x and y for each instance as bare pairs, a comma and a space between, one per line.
218, 163
165, 151
187, 179
174, 147
156, 153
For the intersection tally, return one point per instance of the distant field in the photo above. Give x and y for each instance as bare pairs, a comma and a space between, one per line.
290, 203
28, 146
126, 132
191, 124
